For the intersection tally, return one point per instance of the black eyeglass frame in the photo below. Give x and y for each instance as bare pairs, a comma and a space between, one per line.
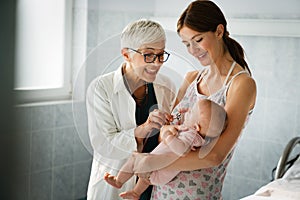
159, 56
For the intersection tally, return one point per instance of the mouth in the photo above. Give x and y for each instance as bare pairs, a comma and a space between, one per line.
151, 71
202, 55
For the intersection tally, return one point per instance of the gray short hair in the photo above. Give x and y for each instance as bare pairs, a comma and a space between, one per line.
142, 32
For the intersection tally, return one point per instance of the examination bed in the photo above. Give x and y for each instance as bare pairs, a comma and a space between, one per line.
286, 185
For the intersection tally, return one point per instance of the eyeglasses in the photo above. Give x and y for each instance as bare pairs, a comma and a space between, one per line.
151, 57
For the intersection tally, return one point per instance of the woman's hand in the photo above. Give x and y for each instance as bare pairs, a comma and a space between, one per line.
159, 118
156, 120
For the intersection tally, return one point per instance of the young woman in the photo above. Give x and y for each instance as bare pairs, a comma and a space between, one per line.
225, 80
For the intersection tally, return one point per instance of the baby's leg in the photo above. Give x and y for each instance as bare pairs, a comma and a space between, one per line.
152, 162
124, 174
138, 189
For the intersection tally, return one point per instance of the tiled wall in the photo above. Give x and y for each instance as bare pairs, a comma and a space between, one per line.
52, 161
276, 117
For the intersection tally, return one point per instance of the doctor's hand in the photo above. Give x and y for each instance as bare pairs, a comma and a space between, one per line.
156, 119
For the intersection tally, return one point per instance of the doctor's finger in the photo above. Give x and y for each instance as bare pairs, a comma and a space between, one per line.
158, 117
158, 120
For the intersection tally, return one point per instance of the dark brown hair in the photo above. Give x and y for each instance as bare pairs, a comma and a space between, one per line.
205, 16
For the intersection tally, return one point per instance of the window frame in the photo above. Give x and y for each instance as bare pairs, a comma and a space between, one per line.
64, 92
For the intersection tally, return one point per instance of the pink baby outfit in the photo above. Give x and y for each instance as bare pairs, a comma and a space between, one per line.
202, 184
190, 138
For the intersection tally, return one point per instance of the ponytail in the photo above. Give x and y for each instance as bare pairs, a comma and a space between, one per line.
236, 51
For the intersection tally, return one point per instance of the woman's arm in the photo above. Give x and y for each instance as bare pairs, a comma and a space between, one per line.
188, 79
240, 99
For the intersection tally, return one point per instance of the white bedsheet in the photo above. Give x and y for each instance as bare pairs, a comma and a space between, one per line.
285, 188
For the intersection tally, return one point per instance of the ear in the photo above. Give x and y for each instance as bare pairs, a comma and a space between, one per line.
198, 129
125, 54
220, 31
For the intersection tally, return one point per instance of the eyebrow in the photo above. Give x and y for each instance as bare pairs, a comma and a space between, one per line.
151, 48
193, 37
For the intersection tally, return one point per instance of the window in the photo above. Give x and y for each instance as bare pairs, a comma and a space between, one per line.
43, 50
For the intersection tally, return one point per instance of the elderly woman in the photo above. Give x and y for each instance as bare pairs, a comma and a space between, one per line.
127, 107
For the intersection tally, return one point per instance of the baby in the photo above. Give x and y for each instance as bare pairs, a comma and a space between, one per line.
206, 120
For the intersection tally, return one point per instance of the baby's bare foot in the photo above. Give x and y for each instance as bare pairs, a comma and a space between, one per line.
112, 180
130, 195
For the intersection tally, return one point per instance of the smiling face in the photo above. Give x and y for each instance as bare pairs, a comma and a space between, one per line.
137, 65
205, 47
137, 39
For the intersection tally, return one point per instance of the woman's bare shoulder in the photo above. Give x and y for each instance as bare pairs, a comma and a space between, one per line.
244, 81
191, 75
243, 89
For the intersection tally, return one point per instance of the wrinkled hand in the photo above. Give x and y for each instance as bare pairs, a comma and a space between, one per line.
156, 119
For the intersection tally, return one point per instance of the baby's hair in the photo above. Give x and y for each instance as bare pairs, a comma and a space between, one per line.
142, 32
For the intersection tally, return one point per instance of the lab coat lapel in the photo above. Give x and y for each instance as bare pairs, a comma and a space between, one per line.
126, 103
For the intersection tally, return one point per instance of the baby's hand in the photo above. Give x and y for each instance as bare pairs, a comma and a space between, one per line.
182, 128
167, 130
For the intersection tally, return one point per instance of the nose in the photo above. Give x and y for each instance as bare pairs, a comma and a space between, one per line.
194, 49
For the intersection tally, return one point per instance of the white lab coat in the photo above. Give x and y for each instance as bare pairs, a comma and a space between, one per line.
111, 124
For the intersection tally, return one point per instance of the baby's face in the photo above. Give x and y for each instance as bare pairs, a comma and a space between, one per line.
196, 119
191, 117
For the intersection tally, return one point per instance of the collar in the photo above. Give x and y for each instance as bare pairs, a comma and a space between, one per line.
118, 83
